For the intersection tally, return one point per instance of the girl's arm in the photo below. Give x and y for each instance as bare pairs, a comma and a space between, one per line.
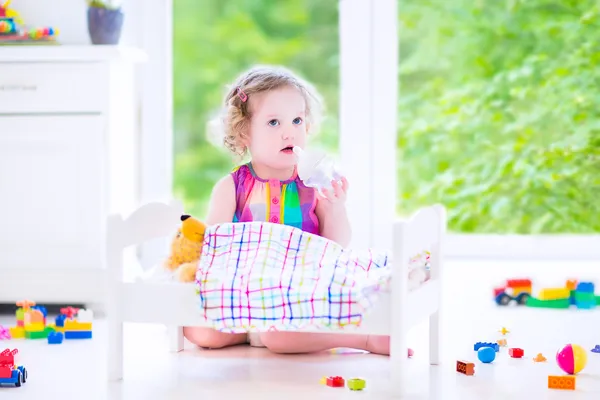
334, 224
221, 207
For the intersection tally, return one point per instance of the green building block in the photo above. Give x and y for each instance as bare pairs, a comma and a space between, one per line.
20, 314
560, 303
598, 300
356, 384
39, 334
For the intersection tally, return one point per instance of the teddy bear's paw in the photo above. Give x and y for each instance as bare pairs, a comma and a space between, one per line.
187, 272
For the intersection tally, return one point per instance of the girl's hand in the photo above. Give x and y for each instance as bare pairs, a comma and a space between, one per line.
336, 196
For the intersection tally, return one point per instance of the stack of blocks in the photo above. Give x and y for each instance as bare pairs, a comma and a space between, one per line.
584, 295
31, 322
75, 328
70, 324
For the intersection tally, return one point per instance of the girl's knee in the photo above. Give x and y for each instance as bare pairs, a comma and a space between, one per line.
210, 338
277, 342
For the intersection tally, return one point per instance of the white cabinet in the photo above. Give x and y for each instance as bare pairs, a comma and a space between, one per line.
68, 157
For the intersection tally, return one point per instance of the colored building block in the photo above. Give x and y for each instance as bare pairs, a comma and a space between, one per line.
73, 325
571, 284
38, 334
78, 334
596, 349
479, 345
35, 327
33, 317
60, 320
17, 332
464, 367
501, 342
323, 381
539, 358
335, 381
55, 338
558, 304
561, 382
554, 294
585, 300
585, 287
20, 314
356, 384
516, 352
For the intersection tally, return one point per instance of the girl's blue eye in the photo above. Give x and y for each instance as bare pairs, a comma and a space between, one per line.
273, 122
297, 121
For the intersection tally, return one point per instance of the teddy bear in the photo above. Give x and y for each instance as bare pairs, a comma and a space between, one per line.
186, 249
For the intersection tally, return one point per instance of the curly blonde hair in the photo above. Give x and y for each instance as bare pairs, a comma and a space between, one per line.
235, 118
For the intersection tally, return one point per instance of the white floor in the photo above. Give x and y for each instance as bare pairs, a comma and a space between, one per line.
76, 370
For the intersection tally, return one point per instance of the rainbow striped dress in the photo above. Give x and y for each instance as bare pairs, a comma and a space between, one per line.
287, 202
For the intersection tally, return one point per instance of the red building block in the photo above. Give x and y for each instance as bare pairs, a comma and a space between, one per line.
516, 352
335, 381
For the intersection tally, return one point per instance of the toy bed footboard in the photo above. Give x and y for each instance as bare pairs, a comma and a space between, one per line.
175, 304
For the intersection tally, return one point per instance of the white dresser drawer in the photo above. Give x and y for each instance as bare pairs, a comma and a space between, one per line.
52, 88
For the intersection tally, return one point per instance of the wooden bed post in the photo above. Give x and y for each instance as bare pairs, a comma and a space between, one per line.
436, 273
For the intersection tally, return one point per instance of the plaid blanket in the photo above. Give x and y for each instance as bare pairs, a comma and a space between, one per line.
259, 276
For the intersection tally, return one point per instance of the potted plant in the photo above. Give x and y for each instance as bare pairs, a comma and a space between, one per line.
105, 21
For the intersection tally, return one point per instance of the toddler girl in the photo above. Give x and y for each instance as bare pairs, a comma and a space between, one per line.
268, 111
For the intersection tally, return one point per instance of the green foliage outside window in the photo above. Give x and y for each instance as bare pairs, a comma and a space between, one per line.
498, 115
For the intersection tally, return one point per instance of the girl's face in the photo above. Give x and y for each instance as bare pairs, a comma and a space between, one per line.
277, 125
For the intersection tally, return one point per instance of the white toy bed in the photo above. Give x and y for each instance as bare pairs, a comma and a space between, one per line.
175, 304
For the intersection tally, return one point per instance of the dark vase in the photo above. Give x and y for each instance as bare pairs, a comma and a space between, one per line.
104, 25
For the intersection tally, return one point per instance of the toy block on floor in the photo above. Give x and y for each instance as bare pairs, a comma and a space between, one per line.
516, 352
558, 304
55, 338
479, 345
356, 384
335, 381
464, 367
554, 294
501, 342
38, 334
78, 334
72, 325
561, 382
17, 332
35, 327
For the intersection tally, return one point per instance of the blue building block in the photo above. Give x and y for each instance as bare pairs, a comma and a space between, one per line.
60, 320
486, 354
586, 305
596, 349
55, 338
585, 287
78, 334
479, 345
17, 378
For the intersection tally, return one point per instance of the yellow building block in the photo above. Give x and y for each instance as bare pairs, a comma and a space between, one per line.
554, 294
72, 325
35, 327
17, 332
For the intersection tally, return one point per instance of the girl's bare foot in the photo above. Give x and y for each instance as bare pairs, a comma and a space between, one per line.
381, 345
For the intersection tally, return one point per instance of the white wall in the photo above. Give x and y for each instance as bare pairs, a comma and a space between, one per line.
70, 17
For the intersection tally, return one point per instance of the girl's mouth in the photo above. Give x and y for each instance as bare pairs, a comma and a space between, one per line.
288, 150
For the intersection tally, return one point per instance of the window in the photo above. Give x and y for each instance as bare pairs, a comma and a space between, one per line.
214, 41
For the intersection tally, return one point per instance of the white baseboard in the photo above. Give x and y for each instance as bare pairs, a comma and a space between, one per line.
523, 247
67, 286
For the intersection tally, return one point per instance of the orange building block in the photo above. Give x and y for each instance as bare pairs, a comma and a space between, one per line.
571, 284
33, 317
561, 382
464, 367
502, 342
